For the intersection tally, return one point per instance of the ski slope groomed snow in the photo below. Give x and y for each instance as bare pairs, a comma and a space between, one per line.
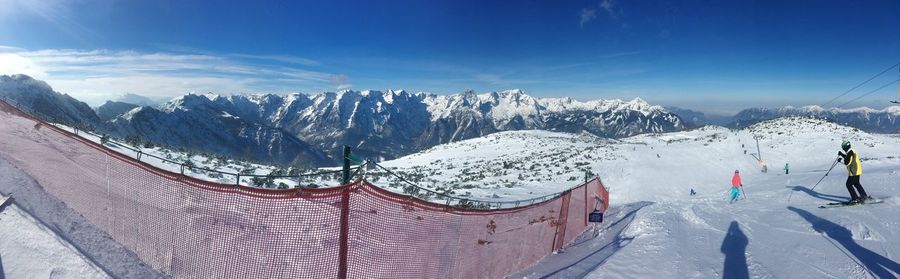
28, 249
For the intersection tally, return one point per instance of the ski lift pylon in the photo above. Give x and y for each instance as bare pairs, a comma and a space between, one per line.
897, 98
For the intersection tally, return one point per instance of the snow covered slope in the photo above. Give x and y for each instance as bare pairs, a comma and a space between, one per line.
507, 165
657, 230
28, 249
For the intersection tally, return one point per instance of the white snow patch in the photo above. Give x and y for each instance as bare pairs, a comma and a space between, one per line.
28, 249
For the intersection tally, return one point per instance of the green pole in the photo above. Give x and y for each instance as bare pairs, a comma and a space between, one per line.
346, 170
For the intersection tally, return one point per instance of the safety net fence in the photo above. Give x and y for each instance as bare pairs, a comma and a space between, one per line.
190, 228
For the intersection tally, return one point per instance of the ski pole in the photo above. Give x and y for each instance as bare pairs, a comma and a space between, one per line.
817, 183
743, 193
823, 177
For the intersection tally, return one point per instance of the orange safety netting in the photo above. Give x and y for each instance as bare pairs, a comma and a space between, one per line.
191, 228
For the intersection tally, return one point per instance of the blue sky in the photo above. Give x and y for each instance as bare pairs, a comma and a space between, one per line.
714, 56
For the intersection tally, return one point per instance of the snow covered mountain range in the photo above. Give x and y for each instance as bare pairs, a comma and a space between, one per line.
384, 125
886, 120
310, 130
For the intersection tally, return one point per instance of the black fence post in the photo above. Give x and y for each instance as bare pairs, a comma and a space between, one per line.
346, 171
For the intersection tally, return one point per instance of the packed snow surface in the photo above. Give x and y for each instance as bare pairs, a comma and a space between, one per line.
28, 249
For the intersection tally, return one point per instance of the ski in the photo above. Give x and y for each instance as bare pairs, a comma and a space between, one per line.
847, 204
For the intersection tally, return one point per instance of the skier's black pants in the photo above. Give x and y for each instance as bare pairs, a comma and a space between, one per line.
853, 181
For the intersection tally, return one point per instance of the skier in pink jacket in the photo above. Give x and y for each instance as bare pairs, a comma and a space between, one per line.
735, 186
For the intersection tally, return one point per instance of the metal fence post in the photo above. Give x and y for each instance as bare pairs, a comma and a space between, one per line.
346, 170
344, 234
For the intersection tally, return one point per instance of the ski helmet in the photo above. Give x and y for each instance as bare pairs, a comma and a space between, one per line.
845, 145
736, 171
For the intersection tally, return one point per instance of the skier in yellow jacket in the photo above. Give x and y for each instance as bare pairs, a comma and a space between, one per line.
854, 171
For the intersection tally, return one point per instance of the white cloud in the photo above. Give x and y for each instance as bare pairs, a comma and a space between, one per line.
15, 64
489, 78
291, 59
587, 15
609, 6
96, 90
9, 49
280, 58
340, 82
97, 75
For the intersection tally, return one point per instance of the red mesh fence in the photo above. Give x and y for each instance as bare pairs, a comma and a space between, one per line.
190, 228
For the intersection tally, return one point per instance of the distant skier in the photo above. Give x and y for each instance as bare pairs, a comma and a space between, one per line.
692, 192
787, 168
854, 171
736, 186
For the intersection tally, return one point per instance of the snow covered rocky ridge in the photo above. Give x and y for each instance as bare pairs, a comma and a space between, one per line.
39, 98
